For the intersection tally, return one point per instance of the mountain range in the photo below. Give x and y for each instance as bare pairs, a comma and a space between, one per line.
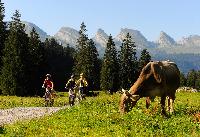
185, 52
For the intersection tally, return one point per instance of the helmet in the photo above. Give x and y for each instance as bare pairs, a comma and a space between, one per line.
48, 75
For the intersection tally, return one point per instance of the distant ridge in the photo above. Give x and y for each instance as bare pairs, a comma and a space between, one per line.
165, 47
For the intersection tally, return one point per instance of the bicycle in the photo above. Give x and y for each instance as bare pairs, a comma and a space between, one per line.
72, 97
48, 98
81, 94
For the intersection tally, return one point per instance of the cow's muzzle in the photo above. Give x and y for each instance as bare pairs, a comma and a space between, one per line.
127, 101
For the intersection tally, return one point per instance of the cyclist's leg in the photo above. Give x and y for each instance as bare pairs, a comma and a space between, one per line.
79, 93
53, 93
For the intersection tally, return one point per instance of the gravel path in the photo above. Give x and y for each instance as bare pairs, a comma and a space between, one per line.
8, 116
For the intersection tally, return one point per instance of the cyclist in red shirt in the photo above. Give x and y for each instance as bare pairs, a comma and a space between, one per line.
48, 84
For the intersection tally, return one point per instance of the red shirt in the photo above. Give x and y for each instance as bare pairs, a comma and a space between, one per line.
48, 82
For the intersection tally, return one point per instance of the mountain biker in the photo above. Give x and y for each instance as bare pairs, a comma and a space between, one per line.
48, 84
82, 84
71, 84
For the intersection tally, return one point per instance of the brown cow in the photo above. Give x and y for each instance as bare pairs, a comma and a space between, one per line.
158, 78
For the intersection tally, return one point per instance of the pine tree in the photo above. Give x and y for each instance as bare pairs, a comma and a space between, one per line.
35, 62
109, 72
54, 54
182, 80
127, 61
144, 58
197, 81
92, 66
14, 80
81, 50
191, 78
3, 32
86, 59
58, 62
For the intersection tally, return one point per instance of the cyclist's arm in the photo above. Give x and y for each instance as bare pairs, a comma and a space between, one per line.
52, 85
77, 82
44, 83
67, 83
86, 84
76, 85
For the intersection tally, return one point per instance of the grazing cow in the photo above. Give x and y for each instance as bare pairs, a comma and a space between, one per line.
158, 78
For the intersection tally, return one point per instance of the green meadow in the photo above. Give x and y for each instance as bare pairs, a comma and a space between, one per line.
13, 101
99, 116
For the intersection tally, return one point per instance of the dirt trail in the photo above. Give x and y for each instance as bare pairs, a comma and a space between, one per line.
8, 116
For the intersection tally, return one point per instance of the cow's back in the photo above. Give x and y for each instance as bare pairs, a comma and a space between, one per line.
171, 74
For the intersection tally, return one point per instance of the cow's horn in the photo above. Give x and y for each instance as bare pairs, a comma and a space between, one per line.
135, 97
125, 91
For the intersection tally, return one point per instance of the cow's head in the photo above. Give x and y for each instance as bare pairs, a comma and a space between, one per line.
150, 77
127, 101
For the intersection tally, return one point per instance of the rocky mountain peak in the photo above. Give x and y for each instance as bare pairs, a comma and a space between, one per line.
101, 36
67, 35
165, 40
140, 41
100, 31
100, 40
29, 26
191, 41
68, 30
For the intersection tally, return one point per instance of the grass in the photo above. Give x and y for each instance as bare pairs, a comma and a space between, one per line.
99, 116
13, 101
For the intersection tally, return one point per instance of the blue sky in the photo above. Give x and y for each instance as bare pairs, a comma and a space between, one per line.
177, 18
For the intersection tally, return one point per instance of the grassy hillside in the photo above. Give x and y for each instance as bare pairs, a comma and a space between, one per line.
99, 116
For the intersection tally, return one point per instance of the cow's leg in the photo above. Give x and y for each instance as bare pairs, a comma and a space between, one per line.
147, 102
171, 103
163, 105
168, 104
